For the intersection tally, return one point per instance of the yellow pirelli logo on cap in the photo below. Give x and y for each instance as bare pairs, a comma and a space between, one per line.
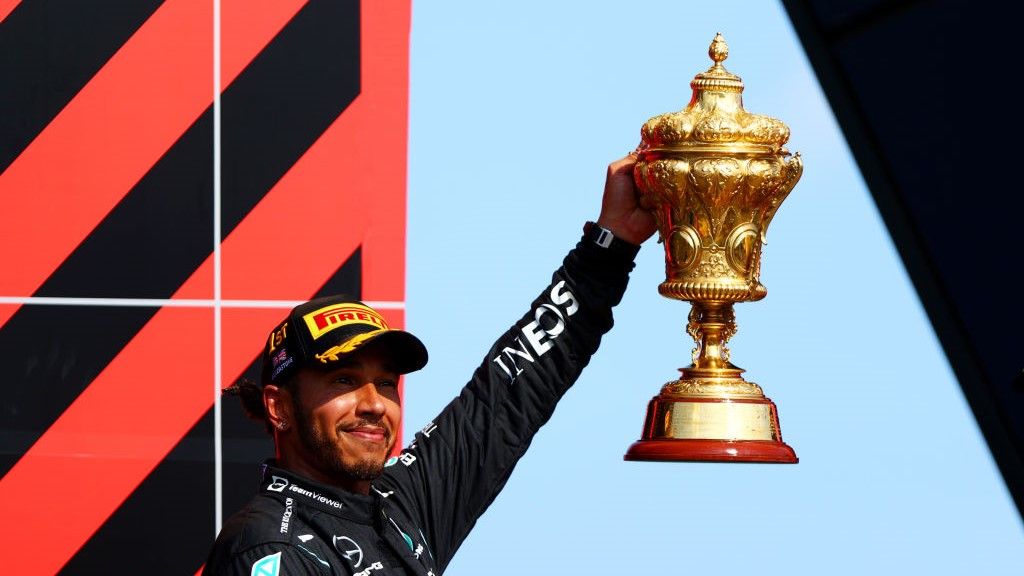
324, 320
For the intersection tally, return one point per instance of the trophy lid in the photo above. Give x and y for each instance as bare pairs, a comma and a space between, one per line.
714, 120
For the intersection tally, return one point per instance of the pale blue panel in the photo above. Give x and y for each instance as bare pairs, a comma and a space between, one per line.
516, 108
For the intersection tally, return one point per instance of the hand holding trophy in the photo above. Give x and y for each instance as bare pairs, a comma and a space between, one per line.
713, 175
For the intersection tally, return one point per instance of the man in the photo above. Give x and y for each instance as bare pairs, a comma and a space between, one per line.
332, 502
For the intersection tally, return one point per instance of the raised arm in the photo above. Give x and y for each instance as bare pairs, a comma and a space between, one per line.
460, 461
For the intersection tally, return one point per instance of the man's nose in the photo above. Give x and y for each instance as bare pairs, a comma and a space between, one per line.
370, 400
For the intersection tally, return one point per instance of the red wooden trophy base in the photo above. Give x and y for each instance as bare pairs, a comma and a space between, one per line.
672, 450
682, 428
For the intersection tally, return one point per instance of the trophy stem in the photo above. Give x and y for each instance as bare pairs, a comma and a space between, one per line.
711, 325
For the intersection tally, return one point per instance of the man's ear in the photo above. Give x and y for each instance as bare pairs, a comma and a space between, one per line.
277, 402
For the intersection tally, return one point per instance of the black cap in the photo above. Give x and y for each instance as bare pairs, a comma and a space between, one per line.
325, 330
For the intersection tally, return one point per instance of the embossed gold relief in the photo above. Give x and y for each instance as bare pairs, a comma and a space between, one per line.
714, 176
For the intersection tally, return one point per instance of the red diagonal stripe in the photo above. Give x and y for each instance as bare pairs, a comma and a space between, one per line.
128, 115
6, 7
246, 27
140, 406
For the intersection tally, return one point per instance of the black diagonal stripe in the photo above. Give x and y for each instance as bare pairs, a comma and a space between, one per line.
304, 80
179, 491
48, 51
51, 353
162, 230
348, 279
164, 527
158, 234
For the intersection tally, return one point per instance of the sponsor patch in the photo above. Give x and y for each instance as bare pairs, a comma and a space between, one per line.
279, 369
277, 484
286, 516
279, 361
348, 548
325, 319
267, 566
314, 496
276, 337
369, 569
549, 322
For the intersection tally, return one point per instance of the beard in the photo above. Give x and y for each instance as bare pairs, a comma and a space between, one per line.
328, 456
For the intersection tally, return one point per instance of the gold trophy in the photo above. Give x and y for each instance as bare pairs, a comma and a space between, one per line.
714, 175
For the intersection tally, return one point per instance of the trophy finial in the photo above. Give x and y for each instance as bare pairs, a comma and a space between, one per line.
719, 50
714, 120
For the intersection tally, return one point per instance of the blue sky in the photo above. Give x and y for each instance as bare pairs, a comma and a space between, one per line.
515, 110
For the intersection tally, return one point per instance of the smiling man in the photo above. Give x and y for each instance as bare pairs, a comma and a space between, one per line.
336, 410
332, 501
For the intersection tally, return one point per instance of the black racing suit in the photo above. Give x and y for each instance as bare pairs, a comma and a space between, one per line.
429, 497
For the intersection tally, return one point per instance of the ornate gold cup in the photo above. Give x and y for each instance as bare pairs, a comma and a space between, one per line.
714, 175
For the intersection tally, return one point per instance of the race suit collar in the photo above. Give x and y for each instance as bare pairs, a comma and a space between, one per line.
329, 499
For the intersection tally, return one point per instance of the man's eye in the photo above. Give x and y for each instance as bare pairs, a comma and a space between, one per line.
387, 383
343, 380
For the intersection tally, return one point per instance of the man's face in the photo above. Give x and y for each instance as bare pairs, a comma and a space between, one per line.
346, 420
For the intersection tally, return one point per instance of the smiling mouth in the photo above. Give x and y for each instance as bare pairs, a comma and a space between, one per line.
369, 434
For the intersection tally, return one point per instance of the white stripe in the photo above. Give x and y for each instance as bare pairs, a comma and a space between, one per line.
218, 456
178, 302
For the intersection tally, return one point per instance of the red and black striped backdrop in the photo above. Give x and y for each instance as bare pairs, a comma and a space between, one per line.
156, 221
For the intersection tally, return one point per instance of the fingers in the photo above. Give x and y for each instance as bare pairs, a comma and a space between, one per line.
622, 165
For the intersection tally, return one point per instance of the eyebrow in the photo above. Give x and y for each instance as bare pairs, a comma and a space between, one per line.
350, 363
